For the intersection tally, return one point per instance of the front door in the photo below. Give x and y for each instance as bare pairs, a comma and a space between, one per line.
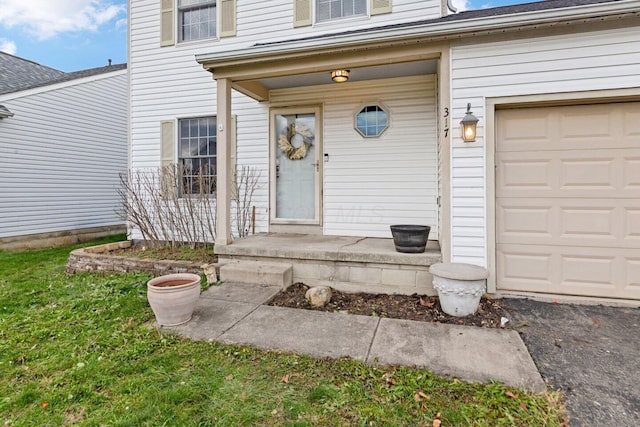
295, 166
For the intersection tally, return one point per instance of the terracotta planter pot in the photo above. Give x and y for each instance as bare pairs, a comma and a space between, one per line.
173, 297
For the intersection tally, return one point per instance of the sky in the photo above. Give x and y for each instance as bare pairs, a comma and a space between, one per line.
72, 35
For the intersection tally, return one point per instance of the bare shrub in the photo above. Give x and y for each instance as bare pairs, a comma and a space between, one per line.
174, 206
247, 181
168, 208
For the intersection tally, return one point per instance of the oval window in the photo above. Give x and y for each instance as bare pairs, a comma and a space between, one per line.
372, 121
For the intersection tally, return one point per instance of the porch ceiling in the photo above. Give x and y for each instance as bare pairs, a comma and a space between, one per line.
356, 74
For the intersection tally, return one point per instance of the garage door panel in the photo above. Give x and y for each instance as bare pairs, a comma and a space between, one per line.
578, 173
577, 222
571, 271
631, 171
570, 127
568, 200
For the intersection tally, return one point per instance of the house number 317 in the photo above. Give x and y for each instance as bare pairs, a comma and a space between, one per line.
446, 121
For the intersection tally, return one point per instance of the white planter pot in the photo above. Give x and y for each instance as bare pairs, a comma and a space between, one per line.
173, 297
460, 287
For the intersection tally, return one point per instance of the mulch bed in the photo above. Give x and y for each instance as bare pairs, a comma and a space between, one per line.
409, 307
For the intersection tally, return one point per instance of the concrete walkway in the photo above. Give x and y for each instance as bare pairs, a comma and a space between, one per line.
234, 313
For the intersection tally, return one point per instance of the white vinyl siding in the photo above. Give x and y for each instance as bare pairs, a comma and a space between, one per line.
61, 155
371, 183
596, 60
251, 16
168, 84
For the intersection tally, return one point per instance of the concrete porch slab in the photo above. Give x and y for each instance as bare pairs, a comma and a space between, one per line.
466, 352
314, 333
327, 248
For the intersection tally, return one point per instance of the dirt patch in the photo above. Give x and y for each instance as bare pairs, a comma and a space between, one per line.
409, 307
202, 255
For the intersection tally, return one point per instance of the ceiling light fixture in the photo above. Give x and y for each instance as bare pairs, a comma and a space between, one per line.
340, 76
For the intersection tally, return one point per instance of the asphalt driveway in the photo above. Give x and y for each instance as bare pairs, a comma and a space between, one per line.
590, 353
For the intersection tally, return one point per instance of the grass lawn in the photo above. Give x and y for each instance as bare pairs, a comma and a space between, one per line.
78, 350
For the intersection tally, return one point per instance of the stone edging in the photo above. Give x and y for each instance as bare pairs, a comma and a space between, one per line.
99, 258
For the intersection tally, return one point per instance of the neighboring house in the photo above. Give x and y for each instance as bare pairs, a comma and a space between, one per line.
63, 143
546, 197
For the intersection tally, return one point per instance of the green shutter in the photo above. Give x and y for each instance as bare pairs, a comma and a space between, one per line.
167, 20
227, 18
302, 15
167, 158
379, 7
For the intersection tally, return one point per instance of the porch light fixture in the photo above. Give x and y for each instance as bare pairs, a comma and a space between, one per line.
468, 125
340, 76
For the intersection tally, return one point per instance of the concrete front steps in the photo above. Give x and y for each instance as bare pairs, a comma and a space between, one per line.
351, 264
258, 272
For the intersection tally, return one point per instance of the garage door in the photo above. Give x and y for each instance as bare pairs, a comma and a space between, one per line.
568, 200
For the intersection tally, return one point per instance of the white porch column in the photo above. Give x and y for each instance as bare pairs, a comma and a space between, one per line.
223, 161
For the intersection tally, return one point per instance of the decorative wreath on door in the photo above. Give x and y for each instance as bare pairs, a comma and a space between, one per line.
292, 152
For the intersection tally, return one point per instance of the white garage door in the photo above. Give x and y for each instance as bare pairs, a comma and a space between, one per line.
568, 200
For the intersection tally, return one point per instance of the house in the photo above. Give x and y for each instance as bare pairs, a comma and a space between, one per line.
351, 111
63, 143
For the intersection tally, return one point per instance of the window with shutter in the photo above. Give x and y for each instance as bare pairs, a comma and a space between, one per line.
197, 19
197, 155
328, 10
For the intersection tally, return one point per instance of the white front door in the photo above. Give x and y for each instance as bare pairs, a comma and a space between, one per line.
295, 166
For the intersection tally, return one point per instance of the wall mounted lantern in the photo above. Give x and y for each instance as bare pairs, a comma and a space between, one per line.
340, 76
468, 125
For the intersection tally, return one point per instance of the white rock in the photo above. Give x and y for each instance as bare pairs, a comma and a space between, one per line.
318, 296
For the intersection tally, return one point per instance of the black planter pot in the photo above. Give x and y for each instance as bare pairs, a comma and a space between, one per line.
410, 238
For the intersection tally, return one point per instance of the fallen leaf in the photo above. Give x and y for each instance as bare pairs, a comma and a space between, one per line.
274, 412
285, 379
424, 395
456, 381
44, 404
437, 423
228, 377
438, 415
523, 406
511, 395
388, 377
423, 407
425, 303
416, 397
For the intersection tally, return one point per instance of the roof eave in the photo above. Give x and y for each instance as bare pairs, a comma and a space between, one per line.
437, 31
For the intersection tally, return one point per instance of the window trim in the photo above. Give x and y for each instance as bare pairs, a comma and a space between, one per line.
364, 105
205, 3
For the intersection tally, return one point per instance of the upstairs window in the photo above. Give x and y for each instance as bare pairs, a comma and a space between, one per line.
328, 10
196, 19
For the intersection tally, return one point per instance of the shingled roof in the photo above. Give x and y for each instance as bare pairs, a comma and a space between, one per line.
20, 74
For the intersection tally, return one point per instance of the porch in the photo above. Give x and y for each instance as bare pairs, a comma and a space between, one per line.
352, 264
